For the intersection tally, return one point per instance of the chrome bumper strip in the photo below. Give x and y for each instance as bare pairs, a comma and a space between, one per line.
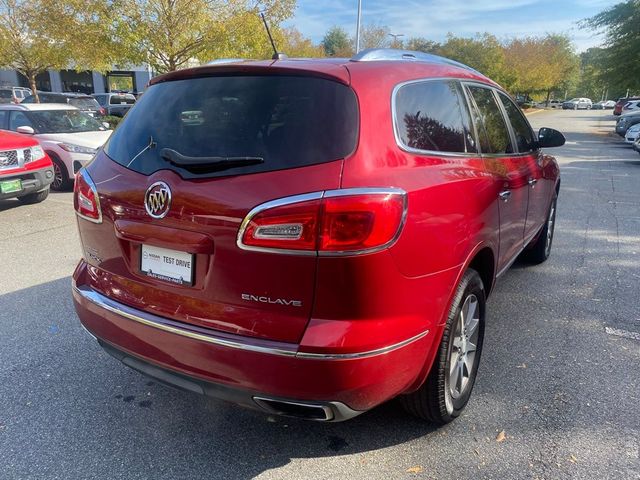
166, 325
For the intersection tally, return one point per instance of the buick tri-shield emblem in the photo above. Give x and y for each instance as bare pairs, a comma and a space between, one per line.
157, 200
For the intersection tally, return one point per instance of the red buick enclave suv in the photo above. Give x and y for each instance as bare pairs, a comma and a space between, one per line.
312, 237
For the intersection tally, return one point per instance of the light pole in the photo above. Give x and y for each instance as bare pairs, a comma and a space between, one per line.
358, 26
395, 36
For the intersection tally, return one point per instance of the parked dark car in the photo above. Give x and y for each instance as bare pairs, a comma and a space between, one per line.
625, 121
116, 104
82, 102
312, 237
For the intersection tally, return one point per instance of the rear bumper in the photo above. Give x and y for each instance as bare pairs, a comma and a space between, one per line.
249, 371
32, 181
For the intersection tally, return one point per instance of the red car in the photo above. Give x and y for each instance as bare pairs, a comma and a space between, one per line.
25, 169
617, 110
312, 237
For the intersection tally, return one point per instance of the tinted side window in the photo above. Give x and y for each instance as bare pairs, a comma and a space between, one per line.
525, 139
431, 115
18, 119
491, 123
3, 120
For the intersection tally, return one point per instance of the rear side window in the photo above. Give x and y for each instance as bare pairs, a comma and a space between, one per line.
281, 121
521, 128
492, 129
3, 119
432, 116
84, 103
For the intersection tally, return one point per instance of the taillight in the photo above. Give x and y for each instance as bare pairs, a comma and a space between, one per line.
85, 198
102, 111
335, 222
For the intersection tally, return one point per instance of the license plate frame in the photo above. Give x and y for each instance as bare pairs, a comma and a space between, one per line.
167, 265
10, 186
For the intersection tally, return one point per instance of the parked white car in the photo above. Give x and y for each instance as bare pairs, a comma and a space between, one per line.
70, 137
633, 133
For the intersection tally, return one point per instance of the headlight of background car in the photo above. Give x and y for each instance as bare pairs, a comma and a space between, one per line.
70, 147
37, 153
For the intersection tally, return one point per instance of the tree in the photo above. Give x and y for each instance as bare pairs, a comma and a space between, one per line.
173, 34
38, 35
483, 53
336, 43
621, 25
420, 44
374, 36
541, 64
294, 44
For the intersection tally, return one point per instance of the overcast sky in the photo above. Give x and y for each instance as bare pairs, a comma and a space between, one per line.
433, 19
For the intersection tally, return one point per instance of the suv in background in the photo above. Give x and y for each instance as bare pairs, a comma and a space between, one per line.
577, 104
25, 169
312, 237
82, 102
70, 137
13, 94
116, 104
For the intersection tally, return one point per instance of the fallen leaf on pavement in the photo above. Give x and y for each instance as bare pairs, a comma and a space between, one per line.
501, 437
573, 458
416, 469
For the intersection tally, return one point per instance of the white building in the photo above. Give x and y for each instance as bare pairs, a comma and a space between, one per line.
134, 80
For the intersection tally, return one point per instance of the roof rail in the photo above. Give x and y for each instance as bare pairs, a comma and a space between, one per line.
222, 61
393, 54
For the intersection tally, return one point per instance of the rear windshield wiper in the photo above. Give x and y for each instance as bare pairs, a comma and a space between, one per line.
207, 163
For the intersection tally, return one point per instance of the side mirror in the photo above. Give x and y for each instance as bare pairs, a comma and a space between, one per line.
549, 137
25, 129
106, 125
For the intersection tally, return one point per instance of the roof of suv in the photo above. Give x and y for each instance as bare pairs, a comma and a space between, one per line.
374, 61
37, 106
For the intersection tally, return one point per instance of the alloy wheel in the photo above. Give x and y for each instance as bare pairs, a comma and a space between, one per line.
551, 223
58, 179
464, 345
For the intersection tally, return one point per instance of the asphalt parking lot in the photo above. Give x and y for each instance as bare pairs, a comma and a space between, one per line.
558, 392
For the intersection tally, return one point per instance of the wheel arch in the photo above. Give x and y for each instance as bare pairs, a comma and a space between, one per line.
483, 260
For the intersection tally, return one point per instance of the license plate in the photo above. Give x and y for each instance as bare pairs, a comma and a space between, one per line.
10, 186
168, 265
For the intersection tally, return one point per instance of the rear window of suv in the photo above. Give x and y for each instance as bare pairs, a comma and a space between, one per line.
282, 121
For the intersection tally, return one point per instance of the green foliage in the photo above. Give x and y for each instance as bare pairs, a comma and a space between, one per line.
111, 120
37, 35
419, 44
173, 34
336, 43
374, 36
620, 60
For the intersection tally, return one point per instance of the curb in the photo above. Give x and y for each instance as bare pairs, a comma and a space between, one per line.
535, 111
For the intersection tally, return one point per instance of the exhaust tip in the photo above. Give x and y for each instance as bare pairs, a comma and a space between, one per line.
307, 411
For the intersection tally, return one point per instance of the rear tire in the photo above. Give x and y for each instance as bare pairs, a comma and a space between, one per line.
36, 197
538, 251
448, 387
61, 179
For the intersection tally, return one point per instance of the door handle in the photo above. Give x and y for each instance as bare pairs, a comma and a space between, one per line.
504, 196
532, 182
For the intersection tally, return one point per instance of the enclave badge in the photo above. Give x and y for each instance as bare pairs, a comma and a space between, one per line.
157, 200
